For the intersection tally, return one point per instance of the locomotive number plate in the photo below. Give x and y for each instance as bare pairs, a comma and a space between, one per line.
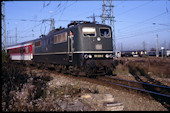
98, 46
98, 56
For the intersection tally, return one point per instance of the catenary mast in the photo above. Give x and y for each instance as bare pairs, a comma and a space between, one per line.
3, 28
107, 16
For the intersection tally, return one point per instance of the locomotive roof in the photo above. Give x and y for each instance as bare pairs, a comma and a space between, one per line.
60, 30
91, 24
78, 23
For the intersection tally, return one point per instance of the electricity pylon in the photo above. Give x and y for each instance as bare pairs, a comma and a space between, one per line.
107, 15
3, 28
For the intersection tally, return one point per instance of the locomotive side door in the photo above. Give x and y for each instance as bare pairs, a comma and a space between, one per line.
70, 47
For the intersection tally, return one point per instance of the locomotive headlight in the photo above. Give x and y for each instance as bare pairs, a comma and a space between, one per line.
90, 56
107, 56
86, 56
98, 39
111, 56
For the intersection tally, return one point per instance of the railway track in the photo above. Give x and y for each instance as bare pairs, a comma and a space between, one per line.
134, 85
139, 86
158, 92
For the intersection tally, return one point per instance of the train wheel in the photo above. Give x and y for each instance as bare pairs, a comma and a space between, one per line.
74, 70
108, 71
89, 71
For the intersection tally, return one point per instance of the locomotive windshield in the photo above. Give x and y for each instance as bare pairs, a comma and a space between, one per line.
89, 31
105, 32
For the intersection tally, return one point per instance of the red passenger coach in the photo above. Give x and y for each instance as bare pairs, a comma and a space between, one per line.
21, 51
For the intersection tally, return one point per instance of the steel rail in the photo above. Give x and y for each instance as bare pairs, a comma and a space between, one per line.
141, 82
136, 88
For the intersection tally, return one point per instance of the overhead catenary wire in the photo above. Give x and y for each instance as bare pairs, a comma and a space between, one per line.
35, 20
140, 28
65, 6
59, 9
125, 35
139, 24
142, 33
144, 20
133, 9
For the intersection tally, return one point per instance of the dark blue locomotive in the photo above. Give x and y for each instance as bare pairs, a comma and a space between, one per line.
83, 48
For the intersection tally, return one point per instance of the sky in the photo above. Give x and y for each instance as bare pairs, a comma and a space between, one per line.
137, 23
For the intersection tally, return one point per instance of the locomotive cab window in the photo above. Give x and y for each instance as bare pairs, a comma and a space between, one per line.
105, 32
89, 31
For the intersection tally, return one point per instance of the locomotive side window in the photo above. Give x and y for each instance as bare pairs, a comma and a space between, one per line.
60, 38
38, 44
89, 31
105, 32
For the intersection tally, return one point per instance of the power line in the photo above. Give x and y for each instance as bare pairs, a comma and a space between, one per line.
63, 9
59, 9
33, 27
145, 20
24, 20
143, 23
52, 27
91, 11
143, 33
133, 9
136, 29
66, 8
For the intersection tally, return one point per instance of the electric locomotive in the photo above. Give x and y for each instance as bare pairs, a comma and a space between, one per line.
83, 48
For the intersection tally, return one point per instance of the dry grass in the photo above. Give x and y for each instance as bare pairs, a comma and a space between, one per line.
159, 67
31, 92
22, 92
121, 69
